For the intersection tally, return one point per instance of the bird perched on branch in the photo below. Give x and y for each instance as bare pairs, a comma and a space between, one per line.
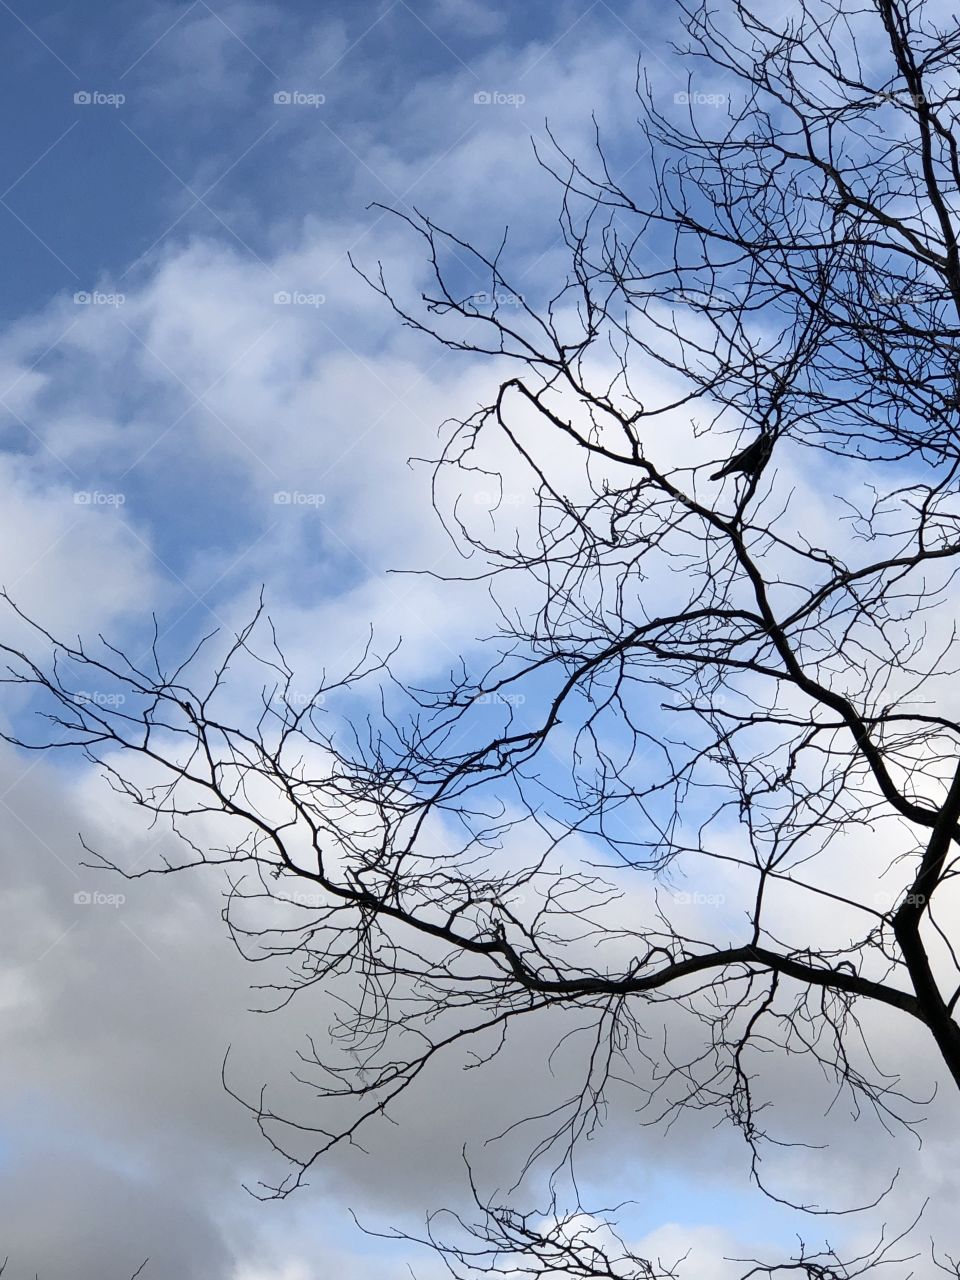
751, 460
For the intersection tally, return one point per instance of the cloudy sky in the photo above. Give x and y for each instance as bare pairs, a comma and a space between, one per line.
199, 396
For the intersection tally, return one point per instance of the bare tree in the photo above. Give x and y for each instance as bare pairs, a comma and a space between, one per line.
695, 674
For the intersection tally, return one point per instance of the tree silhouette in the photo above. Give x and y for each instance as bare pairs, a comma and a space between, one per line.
748, 689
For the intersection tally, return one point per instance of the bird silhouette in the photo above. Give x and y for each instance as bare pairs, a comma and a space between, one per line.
751, 460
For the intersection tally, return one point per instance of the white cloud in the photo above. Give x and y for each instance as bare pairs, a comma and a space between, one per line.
122, 1012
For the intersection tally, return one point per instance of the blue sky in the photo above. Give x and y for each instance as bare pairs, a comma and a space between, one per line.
147, 429
100, 196
198, 85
